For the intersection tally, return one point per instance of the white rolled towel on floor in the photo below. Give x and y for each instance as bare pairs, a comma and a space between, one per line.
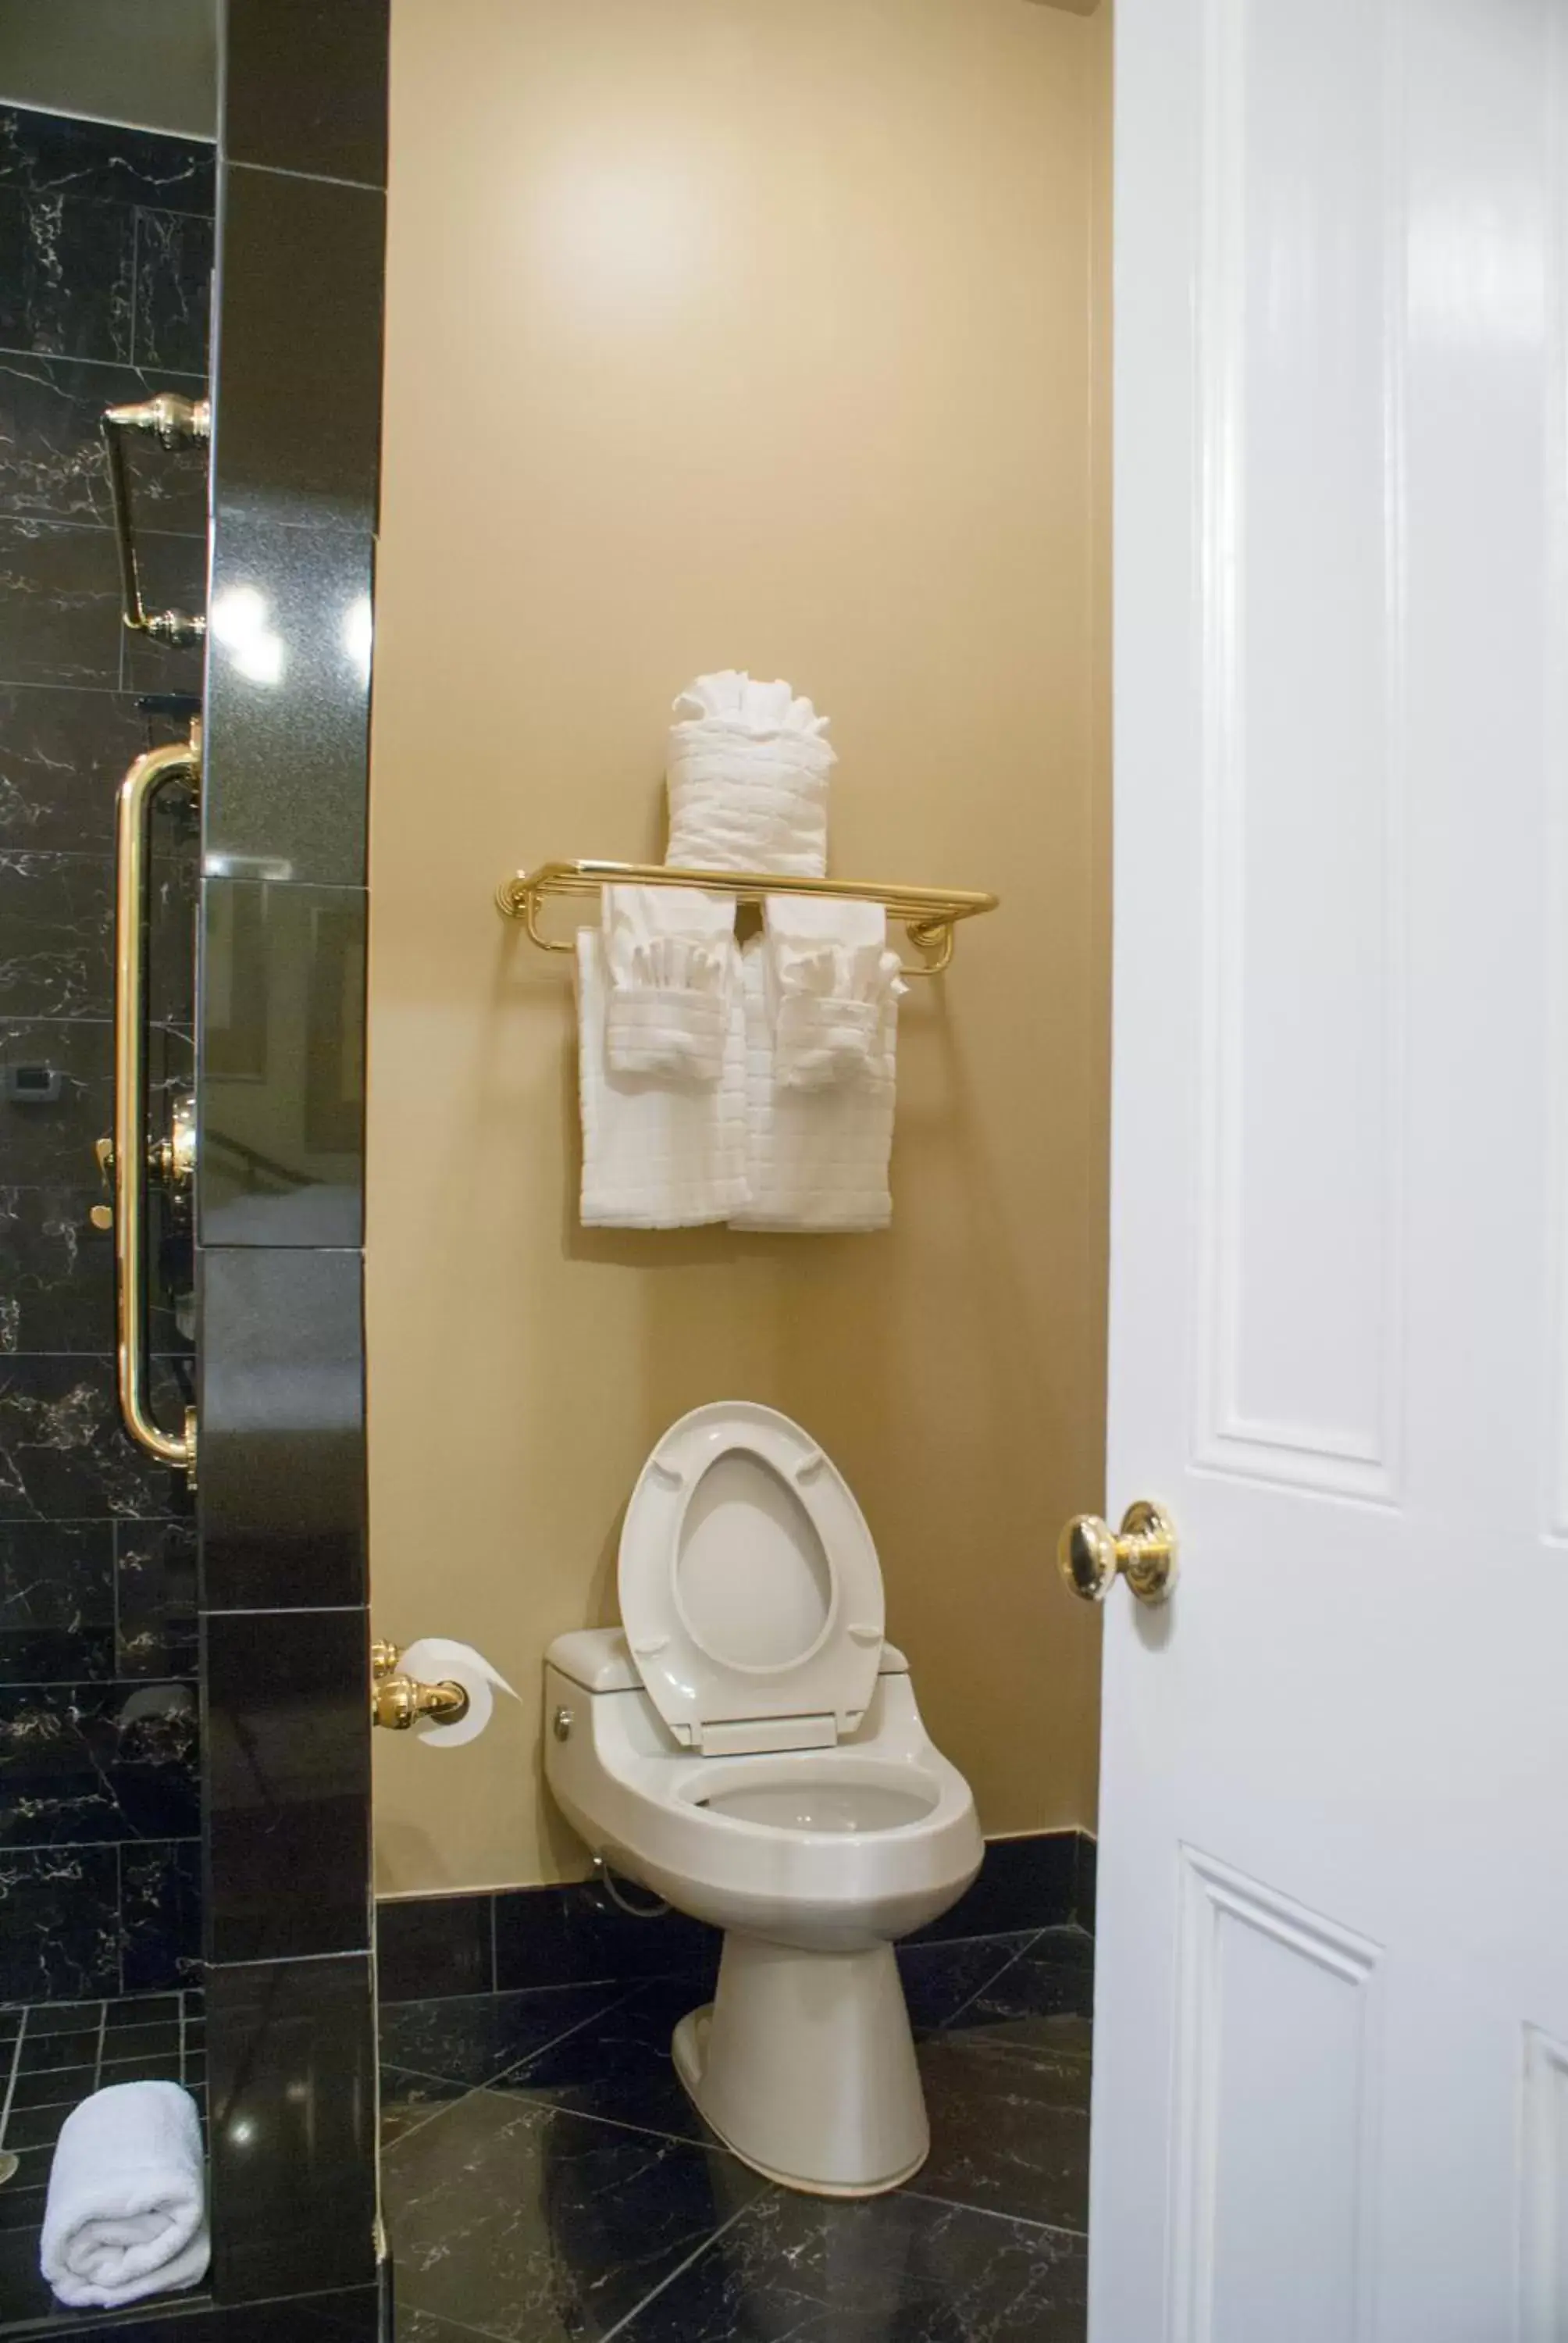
126, 2210
748, 778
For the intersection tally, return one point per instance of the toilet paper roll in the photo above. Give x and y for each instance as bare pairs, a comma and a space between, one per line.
434, 1659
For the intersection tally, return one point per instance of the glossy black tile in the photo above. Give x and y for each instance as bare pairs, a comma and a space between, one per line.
289, 702
97, 1762
409, 2099
940, 1979
57, 1602
332, 122
283, 1044
62, 754
283, 1429
1009, 2124
55, 913
472, 2038
173, 261
432, 1944
59, 604
534, 2225
155, 1591
893, 2270
56, 1272
62, 1455
52, 464
62, 1932
346, 2315
160, 1915
55, 155
618, 2066
1054, 1978
293, 249
67, 275
1030, 1882
54, 1099
569, 1935
291, 2095
173, 577
288, 1783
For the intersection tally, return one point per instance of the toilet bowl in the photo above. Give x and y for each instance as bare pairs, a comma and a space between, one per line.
746, 1744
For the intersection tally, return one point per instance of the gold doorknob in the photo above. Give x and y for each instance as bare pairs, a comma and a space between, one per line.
1090, 1552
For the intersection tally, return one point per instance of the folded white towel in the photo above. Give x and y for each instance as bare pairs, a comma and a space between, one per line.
670, 955
658, 1154
816, 1159
748, 778
829, 974
127, 2209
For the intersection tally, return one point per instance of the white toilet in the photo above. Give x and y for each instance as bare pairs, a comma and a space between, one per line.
750, 1748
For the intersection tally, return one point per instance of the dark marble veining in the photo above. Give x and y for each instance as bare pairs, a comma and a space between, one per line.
61, 1937
61, 1102
56, 916
174, 292
62, 754
940, 1980
56, 1270
471, 2039
618, 2066
68, 271
59, 604
57, 1602
62, 1455
54, 155
534, 2225
155, 1598
86, 1763
160, 1915
52, 463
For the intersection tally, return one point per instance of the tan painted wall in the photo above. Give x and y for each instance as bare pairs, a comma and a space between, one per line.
752, 333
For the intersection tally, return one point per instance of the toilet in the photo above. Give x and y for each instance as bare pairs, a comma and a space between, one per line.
748, 1746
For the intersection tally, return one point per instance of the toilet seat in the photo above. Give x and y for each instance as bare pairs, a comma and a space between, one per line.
749, 1586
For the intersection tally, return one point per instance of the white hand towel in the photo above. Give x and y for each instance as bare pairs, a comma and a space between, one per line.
127, 2209
670, 955
748, 778
817, 1159
658, 1154
829, 974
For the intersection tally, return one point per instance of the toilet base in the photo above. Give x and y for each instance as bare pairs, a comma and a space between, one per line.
804, 2065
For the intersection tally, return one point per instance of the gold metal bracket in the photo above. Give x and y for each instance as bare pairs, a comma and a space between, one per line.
398, 1700
926, 914
173, 422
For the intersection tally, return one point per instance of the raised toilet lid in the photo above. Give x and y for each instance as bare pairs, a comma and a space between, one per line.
749, 1587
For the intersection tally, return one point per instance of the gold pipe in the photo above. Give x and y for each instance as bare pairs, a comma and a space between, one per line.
928, 914
129, 1154
175, 422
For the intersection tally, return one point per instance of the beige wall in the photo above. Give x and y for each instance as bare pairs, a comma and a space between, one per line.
752, 333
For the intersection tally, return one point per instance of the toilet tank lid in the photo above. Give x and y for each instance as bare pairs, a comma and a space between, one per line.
599, 1659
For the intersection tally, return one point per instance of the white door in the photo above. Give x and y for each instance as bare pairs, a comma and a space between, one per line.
1331, 2036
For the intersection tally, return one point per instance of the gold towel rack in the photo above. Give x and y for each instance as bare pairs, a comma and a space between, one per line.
928, 914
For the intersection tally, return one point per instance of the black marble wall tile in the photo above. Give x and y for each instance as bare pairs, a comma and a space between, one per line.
62, 754
564, 1935
291, 2094
173, 256
332, 123
63, 1456
283, 1053
53, 154
56, 1272
173, 577
57, 1602
59, 604
96, 1763
61, 1940
66, 272
288, 1783
292, 249
55, 914
52, 463
160, 1916
285, 781
54, 1100
155, 1592
283, 1429
428, 1945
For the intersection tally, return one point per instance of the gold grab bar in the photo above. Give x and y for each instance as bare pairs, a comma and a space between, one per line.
929, 914
129, 1155
173, 422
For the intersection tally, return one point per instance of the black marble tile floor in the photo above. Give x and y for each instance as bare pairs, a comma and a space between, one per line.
53, 2055
544, 2177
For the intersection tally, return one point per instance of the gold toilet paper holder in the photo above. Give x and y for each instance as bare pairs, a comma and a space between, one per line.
396, 1700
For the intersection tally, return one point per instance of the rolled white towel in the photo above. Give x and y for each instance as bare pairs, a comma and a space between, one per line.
670, 956
748, 778
127, 2209
830, 979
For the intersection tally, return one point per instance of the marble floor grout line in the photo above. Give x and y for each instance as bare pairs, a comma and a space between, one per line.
992, 2212
679, 2271
953, 2015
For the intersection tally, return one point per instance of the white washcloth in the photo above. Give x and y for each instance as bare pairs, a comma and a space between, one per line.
815, 1159
829, 976
657, 1153
748, 778
126, 2211
670, 955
